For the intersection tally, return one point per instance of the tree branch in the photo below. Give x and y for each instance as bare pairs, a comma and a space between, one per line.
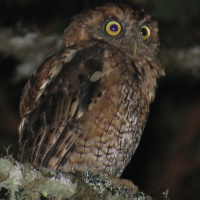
26, 182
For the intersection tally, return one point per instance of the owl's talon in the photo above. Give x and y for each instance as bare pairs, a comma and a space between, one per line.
127, 184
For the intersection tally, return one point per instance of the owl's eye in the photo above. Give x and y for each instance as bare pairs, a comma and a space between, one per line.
113, 28
145, 32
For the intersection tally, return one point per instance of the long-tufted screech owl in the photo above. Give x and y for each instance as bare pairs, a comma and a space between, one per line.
86, 106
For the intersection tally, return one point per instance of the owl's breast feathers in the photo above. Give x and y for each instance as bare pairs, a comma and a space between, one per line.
85, 109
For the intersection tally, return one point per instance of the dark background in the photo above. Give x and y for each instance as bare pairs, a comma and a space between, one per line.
168, 156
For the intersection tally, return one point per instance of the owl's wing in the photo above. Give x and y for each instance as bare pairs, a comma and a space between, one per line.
54, 101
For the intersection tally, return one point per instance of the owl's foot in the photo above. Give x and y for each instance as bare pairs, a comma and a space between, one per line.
123, 183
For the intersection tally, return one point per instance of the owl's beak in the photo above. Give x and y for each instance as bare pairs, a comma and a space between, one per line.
134, 48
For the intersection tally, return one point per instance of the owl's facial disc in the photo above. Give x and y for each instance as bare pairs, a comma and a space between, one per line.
127, 37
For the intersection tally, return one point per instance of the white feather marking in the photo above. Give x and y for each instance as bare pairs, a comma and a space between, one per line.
96, 76
44, 84
73, 107
70, 56
21, 126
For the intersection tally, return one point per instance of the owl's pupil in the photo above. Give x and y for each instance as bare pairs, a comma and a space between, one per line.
114, 28
143, 31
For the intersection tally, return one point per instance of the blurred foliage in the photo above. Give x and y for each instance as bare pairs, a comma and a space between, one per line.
169, 153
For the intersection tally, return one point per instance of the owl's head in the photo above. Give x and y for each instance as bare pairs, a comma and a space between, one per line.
128, 29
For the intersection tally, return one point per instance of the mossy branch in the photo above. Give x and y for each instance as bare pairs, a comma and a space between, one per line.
26, 182
16, 177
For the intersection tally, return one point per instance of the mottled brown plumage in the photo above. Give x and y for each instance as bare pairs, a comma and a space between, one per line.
85, 107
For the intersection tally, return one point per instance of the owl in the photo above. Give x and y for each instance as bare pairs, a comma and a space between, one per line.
85, 107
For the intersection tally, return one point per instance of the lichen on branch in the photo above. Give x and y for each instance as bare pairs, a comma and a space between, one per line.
24, 181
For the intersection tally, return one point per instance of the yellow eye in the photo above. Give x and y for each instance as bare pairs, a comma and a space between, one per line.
113, 28
145, 32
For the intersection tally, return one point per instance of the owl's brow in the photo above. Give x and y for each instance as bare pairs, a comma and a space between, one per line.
122, 9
